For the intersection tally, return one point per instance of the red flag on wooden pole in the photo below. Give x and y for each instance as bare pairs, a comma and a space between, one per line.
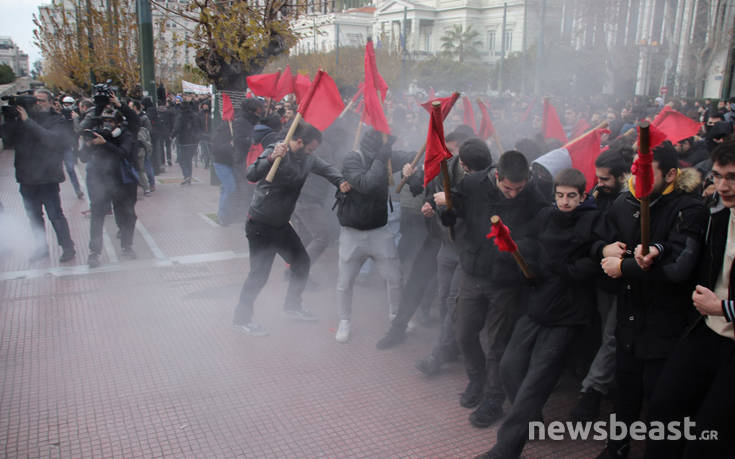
436, 149
486, 125
264, 84
468, 117
446, 104
228, 112
372, 113
286, 84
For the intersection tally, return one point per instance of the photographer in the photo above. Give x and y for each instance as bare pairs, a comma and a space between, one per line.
187, 128
111, 179
70, 156
40, 141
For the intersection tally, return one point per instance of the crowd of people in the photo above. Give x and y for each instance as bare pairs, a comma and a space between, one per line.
650, 327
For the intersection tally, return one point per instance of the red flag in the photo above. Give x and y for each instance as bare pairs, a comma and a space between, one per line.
583, 152
468, 117
501, 233
286, 84
447, 104
486, 125
302, 86
642, 169
436, 149
580, 128
373, 112
228, 112
322, 104
655, 136
675, 125
264, 84
526, 114
552, 127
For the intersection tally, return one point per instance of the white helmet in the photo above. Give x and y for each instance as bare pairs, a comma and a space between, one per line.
67, 100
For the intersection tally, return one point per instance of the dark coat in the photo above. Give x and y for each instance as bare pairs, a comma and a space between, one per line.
40, 143
714, 251
273, 203
563, 293
476, 200
187, 126
654, 305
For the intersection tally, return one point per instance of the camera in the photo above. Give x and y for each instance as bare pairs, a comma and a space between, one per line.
103, 92
23, 99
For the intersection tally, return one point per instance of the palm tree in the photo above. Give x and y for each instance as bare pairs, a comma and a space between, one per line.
461, 43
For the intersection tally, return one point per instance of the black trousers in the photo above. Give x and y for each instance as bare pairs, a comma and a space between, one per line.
35, 199
697, 382
422, 271
496, 308
530, 368
105, 191
265, 242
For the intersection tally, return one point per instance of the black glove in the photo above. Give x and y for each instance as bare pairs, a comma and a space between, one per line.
448, 217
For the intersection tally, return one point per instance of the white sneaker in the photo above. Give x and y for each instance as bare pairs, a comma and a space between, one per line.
343, 332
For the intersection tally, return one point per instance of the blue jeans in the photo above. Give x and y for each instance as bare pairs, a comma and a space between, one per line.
35, 198
227, 190
70, 159
148, 166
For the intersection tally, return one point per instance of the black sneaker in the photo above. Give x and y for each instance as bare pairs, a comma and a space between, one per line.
472, 394
251, 328
394, 337
129, 253
67, 255
587, 407
429, 366
486, 414
94, 260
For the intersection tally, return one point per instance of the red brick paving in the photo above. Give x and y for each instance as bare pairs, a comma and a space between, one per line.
140, 360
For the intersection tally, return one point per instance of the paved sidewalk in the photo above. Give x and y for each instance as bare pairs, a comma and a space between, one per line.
138, 358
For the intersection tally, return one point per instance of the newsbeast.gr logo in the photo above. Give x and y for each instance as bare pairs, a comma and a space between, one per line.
617, 430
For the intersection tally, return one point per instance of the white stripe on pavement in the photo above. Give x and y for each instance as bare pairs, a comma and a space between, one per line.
157, 252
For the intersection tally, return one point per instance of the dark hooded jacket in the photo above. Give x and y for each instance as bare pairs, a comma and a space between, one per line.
39, 143
563, 292
654, 306
274, 202
478, 198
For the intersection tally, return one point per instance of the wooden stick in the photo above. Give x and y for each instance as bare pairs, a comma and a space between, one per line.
497, 141
347, 108
390, 163
602, 125
644, 149
447, 185
277, 162
416, 158
356, 143
495, 220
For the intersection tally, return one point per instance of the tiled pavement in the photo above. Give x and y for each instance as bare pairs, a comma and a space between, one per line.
138, 358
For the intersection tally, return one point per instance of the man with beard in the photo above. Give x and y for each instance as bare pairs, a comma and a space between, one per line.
268, 229
111, 181
653, 293
40, 141
611, 168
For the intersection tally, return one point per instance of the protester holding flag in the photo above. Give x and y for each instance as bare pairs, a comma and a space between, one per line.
653, 300
560, 304
268, 229
611, 169
492, 286
474, 156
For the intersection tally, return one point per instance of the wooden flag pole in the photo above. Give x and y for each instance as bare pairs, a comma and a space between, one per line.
356, 142
277, 162
602, 125
644, 149
495, 220
347, 108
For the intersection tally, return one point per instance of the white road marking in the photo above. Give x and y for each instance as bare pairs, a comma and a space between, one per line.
157, 252
209, 221
80, 270
109, 248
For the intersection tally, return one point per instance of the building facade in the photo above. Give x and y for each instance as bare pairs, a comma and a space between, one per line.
13, 57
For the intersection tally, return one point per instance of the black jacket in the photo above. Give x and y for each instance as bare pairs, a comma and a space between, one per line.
563, 293
105, 162
273, 203
365, 207
187, 126
39, 143
714, 251
654, 305
476, 200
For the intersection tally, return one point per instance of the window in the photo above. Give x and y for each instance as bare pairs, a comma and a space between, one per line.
427, 41
508, 40
491, 41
